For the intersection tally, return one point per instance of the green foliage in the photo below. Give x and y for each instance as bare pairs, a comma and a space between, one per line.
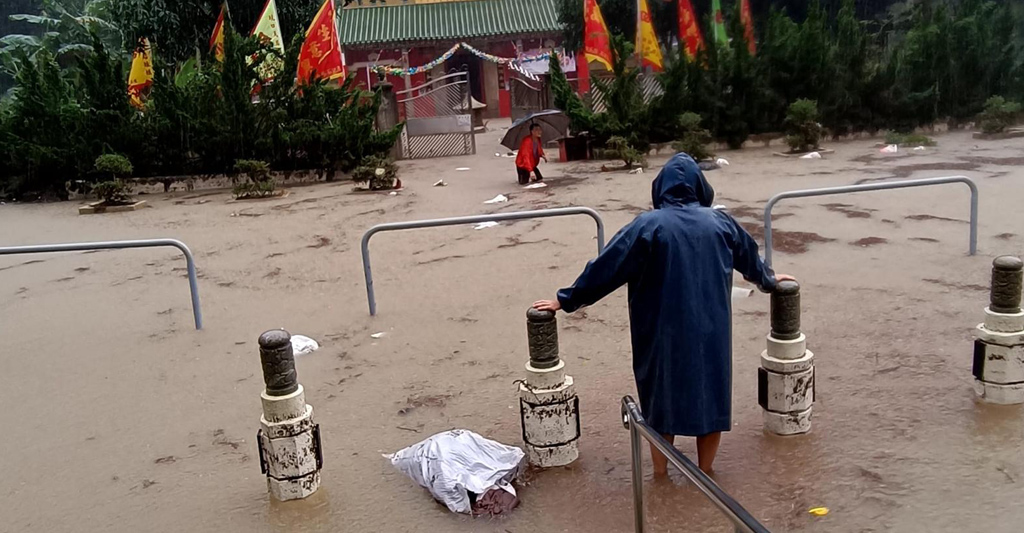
629, 155
115, 165
695, 139
114, 192
626, 114
258, 184
378, 172
802, 128
908, 139
566, 99
999, 114
201, 121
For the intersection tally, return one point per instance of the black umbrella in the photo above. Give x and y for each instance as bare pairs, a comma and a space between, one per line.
553, 123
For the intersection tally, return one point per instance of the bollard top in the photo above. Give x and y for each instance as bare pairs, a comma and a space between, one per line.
536, 315
275, 338
1008, 263
786, 287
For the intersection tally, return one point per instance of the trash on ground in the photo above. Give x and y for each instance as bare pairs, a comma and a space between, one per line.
919, 149
637, 171
708, 165
891, 149
540, 185
459, 468
499, 199
378, 335
462, 169
819, 511
496, 154
302, 345
485, 225
722, 162
440, 183
738, 293
812, 155
392, 193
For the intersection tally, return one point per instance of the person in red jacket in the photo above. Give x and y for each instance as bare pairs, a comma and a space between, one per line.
530, 154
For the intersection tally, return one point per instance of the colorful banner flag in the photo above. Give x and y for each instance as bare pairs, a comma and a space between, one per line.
689, 30
748, 26
718, 27
268, 30
140, 77
646, 40
321, 56
217, 38
597, 43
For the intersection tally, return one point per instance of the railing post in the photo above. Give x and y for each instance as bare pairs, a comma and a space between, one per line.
999, 341
785, 380
190, 263
637, 461
548, 406
433, 223
290, 452
882, 186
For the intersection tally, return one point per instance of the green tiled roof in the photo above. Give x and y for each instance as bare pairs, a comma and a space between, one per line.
446, 21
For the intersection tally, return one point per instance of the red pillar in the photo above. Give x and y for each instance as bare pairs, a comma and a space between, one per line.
582, 73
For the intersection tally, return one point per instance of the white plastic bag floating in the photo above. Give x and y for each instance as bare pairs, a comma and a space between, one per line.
891, 149
812, 155
456, 462
722, 162
302, 345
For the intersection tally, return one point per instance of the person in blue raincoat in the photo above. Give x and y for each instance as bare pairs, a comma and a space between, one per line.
677, 261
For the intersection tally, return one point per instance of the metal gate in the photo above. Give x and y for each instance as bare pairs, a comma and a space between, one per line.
528, 96
438, 118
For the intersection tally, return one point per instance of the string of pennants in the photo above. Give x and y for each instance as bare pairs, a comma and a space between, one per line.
514, 64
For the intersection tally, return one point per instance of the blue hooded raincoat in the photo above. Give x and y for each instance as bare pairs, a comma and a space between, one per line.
677, 261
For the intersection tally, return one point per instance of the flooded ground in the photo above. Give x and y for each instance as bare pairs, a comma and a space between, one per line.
118, 416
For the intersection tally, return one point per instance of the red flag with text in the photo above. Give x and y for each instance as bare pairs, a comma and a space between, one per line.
748, 26
689, 30
597, 44
321, 56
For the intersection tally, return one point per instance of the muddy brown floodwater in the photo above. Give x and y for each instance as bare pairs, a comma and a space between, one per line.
117, 416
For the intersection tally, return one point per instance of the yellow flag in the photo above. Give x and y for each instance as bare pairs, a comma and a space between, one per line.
646, 40
140, 77
268, 30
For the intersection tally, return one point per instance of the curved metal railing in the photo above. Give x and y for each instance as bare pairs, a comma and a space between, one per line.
190, 263
638, 428
474, 219
881, 186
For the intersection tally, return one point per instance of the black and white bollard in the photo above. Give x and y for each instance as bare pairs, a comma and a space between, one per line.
288, 440
999, 341
785, 381
548, 406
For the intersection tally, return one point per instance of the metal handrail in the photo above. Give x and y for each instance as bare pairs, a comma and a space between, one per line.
634, 421
190, 263
455, 221
882, 186
432, 91
433, 81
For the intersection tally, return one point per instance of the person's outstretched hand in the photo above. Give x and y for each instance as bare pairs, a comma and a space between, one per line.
547, 305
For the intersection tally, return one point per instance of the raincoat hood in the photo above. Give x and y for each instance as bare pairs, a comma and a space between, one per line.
681, 182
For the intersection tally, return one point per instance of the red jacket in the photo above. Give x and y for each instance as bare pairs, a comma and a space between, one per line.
526, 159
